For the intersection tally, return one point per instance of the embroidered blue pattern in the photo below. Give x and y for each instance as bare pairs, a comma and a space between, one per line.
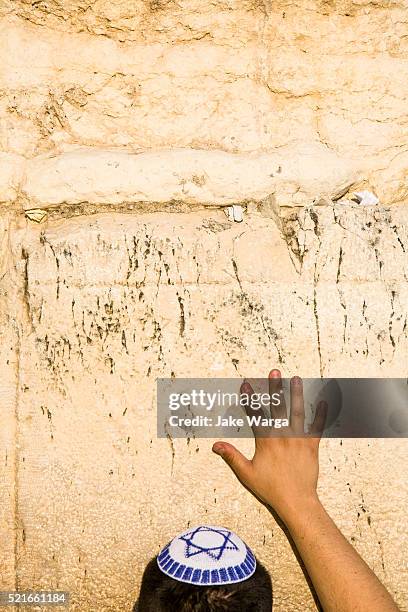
234, 573
208, 552
215, 552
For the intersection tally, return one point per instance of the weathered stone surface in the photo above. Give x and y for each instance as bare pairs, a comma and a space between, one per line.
110, 302
295, 175
235, 76
10, 528
128, 107
11, 168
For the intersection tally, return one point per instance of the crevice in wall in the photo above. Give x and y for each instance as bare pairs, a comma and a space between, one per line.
68, 211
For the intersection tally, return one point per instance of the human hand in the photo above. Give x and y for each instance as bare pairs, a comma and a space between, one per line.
284, 470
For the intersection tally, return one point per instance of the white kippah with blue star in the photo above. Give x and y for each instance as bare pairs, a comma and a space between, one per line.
207, 556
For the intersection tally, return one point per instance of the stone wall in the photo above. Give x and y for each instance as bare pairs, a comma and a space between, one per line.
126, 129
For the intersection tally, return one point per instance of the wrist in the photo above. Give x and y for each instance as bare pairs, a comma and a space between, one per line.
299, 514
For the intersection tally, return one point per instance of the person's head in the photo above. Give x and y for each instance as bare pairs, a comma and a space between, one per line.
205, 569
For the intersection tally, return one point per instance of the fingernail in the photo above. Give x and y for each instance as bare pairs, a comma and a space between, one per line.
323, 405
218, 448
297, 380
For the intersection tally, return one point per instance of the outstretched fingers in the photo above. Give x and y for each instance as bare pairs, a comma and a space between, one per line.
317, 427
246, 394
278, 408
297, 408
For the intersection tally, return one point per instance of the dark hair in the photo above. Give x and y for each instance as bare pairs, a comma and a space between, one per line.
160, 593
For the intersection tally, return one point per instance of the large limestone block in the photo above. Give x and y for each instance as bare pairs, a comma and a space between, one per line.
110, 302
296, 175
237, 77
149, 19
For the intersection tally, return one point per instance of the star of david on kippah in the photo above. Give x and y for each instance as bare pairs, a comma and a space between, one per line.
207, 555
215, 552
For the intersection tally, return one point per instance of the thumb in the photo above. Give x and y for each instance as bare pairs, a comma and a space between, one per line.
233, 457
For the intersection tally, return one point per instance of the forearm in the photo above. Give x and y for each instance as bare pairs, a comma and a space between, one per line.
342, 580
283, 474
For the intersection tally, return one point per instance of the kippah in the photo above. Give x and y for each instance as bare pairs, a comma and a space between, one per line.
207, 556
